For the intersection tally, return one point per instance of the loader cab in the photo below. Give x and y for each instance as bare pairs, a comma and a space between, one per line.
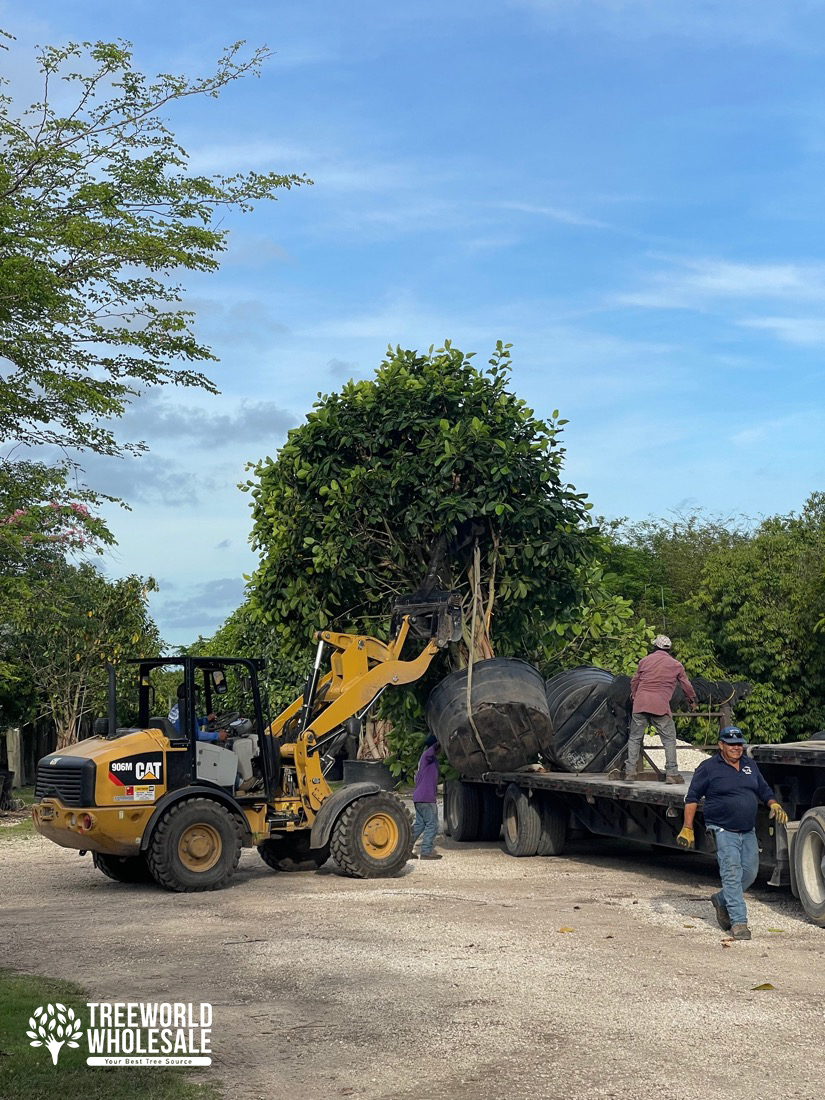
209, 711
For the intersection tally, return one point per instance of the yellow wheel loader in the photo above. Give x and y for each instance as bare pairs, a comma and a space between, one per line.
175, 799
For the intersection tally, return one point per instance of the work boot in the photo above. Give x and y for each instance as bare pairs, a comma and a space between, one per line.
431, 855
722, 917
740, 932
675, 778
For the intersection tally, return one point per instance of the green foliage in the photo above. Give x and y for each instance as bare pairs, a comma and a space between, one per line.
76, 622
762, 598
604, 631
432, 448
347, 515
658, 563
98, 211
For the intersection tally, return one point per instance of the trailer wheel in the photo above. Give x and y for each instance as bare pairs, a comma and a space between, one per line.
123, 868
291, 852
195, 846
809, 864
491, 814
462, 809
522, 822
553, 825
372, 838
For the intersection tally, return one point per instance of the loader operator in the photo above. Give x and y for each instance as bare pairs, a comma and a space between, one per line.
243, 747
650, 689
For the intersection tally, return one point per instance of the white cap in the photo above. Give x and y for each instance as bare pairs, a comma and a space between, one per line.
661, 641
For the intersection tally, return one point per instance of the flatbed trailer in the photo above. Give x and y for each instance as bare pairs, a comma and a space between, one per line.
535, 809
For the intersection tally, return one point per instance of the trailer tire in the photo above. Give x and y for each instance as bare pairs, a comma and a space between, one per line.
130, 869
809, 864
553, 825
462, 809
522, 822
491, 814
196, 846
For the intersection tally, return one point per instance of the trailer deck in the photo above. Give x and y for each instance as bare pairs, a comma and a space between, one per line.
651, 790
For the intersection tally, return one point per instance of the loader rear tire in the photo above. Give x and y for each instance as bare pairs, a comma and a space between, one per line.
522, 822
196, 846
372, 837
123, 868
291, 852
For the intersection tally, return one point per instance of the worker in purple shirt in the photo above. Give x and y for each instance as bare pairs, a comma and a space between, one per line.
650, 689
425, 800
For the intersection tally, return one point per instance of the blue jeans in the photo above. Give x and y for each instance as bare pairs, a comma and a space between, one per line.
426, 822
738, 858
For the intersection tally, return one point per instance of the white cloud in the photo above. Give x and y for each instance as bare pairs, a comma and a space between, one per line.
699, 284
802, 331
554, 213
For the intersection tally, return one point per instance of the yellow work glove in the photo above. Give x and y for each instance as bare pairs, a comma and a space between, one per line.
778, 814
685, 839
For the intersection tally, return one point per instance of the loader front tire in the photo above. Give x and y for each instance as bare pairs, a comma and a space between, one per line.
196, 846
372, 838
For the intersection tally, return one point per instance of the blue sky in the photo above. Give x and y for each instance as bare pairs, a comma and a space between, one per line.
628, 191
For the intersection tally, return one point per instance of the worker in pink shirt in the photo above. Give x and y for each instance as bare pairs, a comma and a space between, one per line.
651, 689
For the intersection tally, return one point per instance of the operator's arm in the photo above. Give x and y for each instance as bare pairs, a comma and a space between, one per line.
687, 687
209, 735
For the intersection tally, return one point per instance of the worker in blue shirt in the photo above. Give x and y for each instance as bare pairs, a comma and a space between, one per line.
201, 732
732, 787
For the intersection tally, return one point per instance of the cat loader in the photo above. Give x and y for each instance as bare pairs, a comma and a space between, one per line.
154, 800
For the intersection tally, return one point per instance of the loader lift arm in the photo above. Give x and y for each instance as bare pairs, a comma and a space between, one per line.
361, 668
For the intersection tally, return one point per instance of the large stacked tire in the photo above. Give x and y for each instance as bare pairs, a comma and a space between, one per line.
507, 725
589, 718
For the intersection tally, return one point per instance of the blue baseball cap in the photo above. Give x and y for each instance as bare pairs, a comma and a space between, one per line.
731, 735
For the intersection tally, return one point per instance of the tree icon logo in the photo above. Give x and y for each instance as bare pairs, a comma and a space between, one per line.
52, 1026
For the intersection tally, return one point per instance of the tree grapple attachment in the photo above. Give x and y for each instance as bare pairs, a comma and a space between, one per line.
436, 615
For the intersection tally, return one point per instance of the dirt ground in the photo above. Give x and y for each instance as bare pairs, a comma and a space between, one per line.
598, 974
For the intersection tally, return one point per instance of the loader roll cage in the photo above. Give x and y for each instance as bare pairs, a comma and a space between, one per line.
191, 666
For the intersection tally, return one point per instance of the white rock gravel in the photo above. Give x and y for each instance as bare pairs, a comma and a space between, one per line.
454, 981
687, 755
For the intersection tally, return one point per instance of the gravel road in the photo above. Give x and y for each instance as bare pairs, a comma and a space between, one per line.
598, 974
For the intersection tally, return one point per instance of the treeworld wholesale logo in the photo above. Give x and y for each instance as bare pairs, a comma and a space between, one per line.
128, 1033
52, 1026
